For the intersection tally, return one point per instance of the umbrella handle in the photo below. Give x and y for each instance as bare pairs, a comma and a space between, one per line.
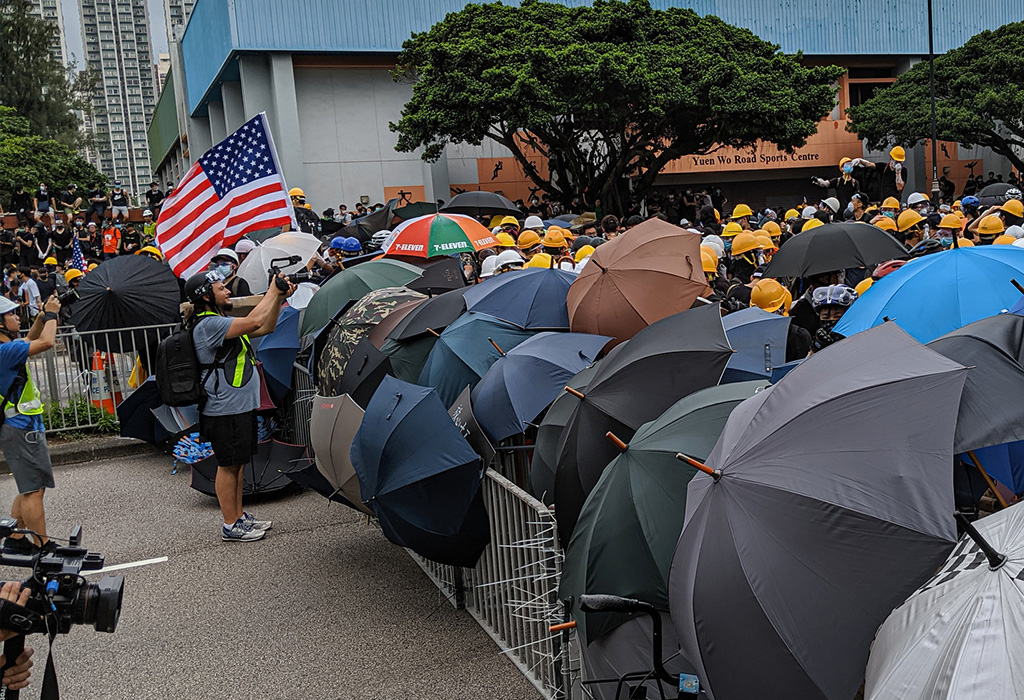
433, 333
700, 466
616, 440
575, 393
570, 625
995, 559
496, 347
1017, 284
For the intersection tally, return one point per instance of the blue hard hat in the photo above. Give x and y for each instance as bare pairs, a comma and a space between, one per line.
338, 242
970, 201
351, 245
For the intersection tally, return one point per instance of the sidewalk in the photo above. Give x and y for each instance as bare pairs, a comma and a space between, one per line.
63, 452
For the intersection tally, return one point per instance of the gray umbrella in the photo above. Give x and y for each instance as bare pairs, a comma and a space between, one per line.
830, 501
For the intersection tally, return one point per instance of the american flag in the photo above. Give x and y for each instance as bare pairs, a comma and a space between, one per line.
77, 259
234, 188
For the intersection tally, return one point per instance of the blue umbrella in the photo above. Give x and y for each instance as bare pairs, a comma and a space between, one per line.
465, 351
419, 475
938, 293
782, 370
1018, 308
529, 377
277, 352
759, 341
533, 299
1005, 464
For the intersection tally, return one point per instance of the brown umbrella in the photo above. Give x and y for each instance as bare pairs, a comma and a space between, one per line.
643, 276
332, 426
380, 332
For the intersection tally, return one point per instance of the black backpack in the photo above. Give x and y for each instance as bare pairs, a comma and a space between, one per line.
180, 376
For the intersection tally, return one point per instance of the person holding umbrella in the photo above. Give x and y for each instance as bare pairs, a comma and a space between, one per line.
22, 434
228, 416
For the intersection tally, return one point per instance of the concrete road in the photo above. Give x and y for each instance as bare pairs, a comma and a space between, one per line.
324, 607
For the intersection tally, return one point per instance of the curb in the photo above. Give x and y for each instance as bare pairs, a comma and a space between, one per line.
92, 449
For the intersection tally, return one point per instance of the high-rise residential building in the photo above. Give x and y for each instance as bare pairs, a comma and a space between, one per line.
50, 11
160, 70
176, 13
115, 34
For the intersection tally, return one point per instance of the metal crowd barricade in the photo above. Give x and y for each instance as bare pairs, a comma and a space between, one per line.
513, 590
87, 374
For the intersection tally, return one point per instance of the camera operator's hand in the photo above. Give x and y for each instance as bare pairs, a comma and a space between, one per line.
13, 592
52, 304
291, 286
16, 677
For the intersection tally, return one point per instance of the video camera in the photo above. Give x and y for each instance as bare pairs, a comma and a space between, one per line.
60, 597
294, 278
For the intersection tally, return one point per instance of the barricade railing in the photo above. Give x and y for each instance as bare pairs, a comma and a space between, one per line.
83, 378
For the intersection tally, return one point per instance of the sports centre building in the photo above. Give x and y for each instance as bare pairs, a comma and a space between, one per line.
320, 69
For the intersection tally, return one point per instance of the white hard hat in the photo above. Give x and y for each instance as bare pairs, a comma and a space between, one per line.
488, 266
916, 198
7, 306
832, 203
244, 246
1019, 243
147, 212
226, 253
808, 213
533, 222
496, 230
1015, 231
716, 243
508, 258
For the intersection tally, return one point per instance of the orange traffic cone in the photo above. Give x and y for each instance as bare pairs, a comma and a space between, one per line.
99, 387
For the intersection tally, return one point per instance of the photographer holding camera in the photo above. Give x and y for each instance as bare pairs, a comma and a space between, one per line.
232, 384
22, 434
15, 677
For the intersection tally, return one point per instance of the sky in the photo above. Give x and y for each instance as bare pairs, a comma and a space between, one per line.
73, 28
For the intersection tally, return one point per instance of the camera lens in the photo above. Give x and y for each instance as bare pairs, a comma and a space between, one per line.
99, 604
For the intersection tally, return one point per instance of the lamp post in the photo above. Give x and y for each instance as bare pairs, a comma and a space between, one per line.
931, 89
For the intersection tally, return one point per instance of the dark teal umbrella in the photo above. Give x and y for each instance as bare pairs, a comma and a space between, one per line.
465, 351
626, 534
408, 356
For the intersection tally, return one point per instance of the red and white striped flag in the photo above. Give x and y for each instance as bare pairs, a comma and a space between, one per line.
234, 188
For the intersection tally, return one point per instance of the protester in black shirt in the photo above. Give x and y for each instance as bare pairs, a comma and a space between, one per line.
43, 205
70, 201
46, 281
61, 242
118, 203
21, 204
7, 255
43, 243
97, 203
131, 241
26, 241
87, 239
154, 197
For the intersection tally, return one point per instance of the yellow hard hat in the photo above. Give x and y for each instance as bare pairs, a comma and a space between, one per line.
898, 154
505, 240
956, 204
812, 223
991, 225
741, 210
528, 239
50, 261
771, 296
509, 221
1005, 239
718, 216
744, 243
731, 229
708, 259
964, 243
583, 252
542, 260
73, 273
886, 224
764, 241
844, 160
951, 221
908, 219
1014, 207
93, 266
792, 214
772, 229
553, 238
296, 192
150, 250
890, 203
863, 286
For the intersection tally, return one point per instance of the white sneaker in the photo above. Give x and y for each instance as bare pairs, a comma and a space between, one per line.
257, 524
241, 531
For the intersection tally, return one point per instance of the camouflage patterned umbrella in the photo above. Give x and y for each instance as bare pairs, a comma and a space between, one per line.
351, 327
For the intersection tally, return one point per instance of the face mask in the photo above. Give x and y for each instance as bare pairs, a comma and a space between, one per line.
224, 269
49, 268
890, 214
727, 242
847, 168
827, 325
946, 242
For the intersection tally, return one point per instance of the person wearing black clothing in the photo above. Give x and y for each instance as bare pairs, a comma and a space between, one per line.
97, 204
46, 281
154, 197
860, 202
70, 201
118, 203
44, 205
61, 242
7, 254
27, 254
87, 239
844, 184
43, 242
131, 241
21, 204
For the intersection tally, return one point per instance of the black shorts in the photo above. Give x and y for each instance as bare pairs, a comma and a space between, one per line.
233, 437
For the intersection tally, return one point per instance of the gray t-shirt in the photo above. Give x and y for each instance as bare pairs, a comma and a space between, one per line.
224, 400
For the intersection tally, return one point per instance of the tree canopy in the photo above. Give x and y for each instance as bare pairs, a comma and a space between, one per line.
979, 92
606, 93
29, 159
33, 82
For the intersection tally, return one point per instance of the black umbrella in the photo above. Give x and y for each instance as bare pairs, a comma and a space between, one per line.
411, 211
310, 477
364, 371
435, 314
991, 412
462, 415
661, 364
440, 274
479, 202
834, 247
263, 474
364, 227
126, 292
135, 414
994, 194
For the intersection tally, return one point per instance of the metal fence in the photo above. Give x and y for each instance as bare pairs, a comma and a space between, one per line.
83, 378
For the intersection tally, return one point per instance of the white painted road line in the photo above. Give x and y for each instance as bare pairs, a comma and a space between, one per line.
129, 565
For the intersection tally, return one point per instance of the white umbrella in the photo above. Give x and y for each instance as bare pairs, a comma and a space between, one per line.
303, 293
254, 269
961, 635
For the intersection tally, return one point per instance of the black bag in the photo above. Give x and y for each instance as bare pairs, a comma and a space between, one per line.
179, 375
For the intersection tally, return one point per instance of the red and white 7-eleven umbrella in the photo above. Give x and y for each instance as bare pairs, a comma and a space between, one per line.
438, 234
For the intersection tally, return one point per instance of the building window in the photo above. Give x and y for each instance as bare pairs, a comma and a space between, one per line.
864, 81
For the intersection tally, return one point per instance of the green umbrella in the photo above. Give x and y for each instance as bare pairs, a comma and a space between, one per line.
352, 284
408, 356
626, 536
